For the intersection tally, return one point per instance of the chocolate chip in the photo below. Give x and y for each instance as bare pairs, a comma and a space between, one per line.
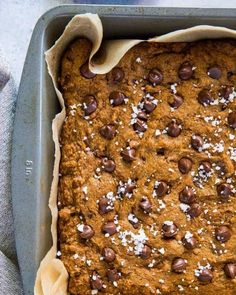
206, 165
140, 126
85, 71
128, 154
189, 242
185, 71
230, 270
225, 91
204, 97
169, 229
109, 228
108, 254
105, 205
194, 210
205, 275
214, 73
146, 252
161, 151
116, 75
173, 129
224, 191
117, 98
232, 120
108, 165
161, 189
89, 105
86, 233
155, 77
129, 187
108, 131
178, 265
113, 275
222, 233
197, 142
187, 195
96, 282
185, 165
142, 116
149, 105
175, 101
145, 205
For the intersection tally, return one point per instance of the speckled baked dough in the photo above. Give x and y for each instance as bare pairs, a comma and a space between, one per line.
159, 241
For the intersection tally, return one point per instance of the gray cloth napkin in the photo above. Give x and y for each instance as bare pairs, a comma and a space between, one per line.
10, 281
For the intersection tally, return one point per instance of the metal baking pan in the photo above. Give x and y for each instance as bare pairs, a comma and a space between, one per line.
33, 150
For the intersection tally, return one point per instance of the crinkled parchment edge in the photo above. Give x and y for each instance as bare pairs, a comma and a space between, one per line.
52, 277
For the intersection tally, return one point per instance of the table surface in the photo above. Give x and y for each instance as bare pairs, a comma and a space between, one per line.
18, 18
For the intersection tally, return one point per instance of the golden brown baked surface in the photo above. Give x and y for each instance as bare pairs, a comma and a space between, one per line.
147, 186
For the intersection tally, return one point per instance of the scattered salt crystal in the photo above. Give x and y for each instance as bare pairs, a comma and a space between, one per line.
162, 205
139, 239
173, 88
219, 147
167, 222
115, 284
162, 251
232, 152
200, 231
132, 218
80, 227
151, 264
188, 235
116, 219
153, 230
89, 262
122, 262
155, 101
184, 207
85, 190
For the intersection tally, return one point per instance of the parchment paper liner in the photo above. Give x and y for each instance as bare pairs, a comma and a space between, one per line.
52, 276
